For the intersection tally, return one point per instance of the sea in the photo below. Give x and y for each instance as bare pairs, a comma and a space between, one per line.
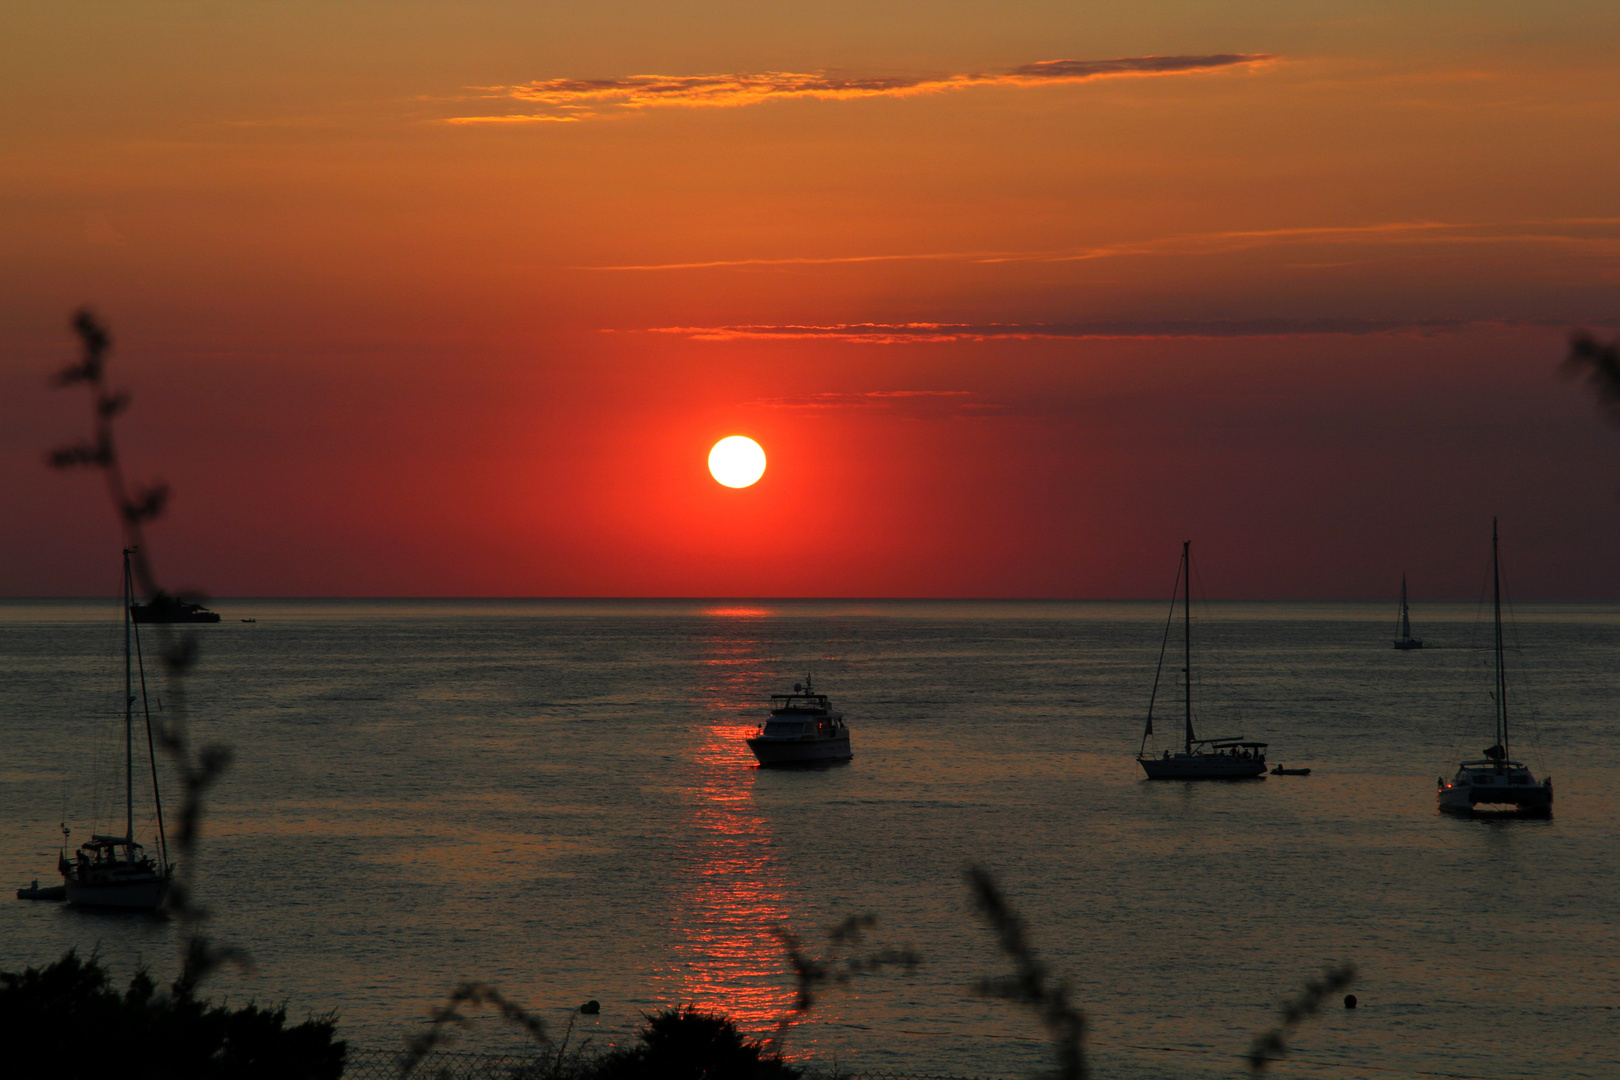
554, 798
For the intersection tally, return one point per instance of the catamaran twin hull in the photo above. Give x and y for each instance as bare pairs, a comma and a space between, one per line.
1202, 767
1496, 793
799, 750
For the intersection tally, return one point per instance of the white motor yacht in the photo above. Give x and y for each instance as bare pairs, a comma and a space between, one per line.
802, 728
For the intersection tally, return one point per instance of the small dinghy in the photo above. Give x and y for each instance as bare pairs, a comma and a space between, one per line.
1280, 771
50, 892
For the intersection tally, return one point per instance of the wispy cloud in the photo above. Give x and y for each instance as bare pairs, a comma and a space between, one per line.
916, 403
925, 332
1582, 232
869, 399
514, 119
582, 98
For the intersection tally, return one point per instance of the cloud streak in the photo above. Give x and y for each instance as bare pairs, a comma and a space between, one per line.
1567, 232
912, 403
913, 333
576, 99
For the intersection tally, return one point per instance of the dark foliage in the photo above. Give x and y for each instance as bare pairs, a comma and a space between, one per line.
812, 975
1600, 363
684, 1044
1030, 983
1272, 1045
65, 1021
448, 1017
199, 768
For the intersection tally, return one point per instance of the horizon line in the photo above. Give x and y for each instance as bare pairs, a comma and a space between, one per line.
208, 598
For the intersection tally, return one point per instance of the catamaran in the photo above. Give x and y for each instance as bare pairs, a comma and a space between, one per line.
1230, 758
1496, 780
1403, 635
115, 871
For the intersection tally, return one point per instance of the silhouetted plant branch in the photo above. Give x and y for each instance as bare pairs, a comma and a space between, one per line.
1600, 363
1030, 984
198, 769
449, 1015
1269, 1046
811, 975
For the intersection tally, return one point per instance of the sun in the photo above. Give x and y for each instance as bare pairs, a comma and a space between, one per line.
737, 461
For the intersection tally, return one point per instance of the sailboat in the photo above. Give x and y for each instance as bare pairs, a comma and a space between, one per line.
115, 871
1403, 637
1199, 759
1496, 780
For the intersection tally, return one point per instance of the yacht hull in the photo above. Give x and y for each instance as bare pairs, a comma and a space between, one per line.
1202, 767
799, 751
1517, 798
132, 895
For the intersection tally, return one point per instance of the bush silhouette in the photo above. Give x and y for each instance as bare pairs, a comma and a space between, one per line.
684, 1044
66, 1021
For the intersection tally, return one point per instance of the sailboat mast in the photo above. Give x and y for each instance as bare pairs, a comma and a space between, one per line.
1501, 675
1186, 632
1406, 623
129, 713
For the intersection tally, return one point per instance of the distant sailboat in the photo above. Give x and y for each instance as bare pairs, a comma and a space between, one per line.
1496, 780
1199, 759
115, 871
1403, 636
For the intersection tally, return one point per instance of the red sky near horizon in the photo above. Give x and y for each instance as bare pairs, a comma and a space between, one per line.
429, 299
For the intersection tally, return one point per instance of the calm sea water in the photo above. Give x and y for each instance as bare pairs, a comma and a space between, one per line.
556, 798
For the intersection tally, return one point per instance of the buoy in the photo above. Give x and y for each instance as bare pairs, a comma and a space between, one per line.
1349, 1001
591, 1008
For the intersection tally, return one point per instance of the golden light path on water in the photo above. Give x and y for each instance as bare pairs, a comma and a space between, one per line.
734, 890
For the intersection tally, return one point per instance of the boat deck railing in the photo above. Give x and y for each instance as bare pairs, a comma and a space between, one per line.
799, 703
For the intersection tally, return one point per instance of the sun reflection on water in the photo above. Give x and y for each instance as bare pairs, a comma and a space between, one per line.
734, 890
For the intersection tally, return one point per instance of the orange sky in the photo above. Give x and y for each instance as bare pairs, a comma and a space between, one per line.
452, 299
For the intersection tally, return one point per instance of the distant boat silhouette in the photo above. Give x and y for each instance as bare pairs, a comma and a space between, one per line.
1199, 759
1496, 779
1403, 634
164, 608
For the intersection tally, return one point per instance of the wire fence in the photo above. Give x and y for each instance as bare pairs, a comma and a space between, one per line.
469, 1065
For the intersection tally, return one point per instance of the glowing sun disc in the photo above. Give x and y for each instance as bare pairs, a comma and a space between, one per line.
737, 461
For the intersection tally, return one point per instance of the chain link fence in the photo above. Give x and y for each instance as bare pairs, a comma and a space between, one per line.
467, 1065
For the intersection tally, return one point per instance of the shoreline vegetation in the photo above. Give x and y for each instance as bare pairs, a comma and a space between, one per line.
66, 1019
